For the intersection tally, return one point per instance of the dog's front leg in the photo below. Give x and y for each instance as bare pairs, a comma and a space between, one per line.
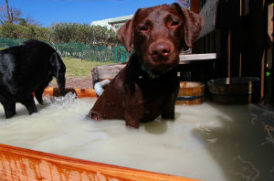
28, 101
169, 111
39, 95
133, 112
134, 107
9, 108
131, 119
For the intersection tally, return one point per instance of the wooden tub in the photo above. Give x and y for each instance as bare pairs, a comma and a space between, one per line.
244, 90
28, 165
191, 93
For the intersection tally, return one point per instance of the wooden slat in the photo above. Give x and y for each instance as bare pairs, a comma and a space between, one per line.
102, 72
195, 6
188, 58
28, 165
209, 13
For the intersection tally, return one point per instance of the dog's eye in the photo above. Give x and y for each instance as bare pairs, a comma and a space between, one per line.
174, 23
143, 28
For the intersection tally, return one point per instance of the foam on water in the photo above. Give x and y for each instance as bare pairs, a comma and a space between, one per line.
208, 142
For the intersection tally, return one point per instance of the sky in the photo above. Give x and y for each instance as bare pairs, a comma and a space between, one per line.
47, 12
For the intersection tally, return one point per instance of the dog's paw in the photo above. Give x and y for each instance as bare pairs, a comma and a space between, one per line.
132, 123
94, 115
170, 116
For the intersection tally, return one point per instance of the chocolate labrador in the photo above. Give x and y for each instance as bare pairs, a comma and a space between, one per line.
147, 87
26, 69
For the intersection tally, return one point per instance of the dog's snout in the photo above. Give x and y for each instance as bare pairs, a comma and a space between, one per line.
161, 49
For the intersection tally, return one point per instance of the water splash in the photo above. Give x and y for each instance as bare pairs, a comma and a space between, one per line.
62, 101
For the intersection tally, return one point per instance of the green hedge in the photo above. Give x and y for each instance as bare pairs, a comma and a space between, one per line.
82, 33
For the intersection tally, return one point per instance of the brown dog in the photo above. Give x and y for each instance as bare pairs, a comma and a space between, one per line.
147, 87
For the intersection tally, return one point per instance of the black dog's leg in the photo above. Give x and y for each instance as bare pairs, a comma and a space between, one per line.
9, 109
38, 95
28, 101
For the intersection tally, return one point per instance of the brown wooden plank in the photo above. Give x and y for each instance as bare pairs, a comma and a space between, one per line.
28, 165
106, 72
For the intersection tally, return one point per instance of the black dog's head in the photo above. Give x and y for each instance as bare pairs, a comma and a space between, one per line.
157, 34
59, 70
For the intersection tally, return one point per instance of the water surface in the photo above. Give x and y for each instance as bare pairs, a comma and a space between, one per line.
208, 141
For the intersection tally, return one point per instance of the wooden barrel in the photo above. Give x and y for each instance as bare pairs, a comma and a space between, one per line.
236, 90
191, 93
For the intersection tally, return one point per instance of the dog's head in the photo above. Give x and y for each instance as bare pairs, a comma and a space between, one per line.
59, 70
158, 34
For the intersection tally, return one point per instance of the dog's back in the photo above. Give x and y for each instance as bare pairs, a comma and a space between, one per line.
30, 61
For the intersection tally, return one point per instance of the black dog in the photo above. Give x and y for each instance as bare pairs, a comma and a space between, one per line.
147, 87
26, 69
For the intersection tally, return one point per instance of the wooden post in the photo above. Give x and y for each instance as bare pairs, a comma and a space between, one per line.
240, 63
272, 68
195, 6
228, 57
262, 76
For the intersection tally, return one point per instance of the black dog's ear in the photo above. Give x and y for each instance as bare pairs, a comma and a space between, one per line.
193, 24
59, 70
126, 34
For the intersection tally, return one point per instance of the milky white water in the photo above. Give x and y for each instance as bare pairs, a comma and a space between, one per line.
207, 141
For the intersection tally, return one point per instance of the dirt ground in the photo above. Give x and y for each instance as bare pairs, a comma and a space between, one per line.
75, 82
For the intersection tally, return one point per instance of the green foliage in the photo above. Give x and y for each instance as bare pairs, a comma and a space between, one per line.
9, 30
61, 33
83, 33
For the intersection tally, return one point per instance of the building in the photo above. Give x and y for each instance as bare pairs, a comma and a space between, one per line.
113, 23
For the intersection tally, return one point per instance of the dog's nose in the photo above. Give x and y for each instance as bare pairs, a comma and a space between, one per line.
160, 49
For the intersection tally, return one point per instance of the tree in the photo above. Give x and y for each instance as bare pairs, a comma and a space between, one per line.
9, 14
82, 33
14, 16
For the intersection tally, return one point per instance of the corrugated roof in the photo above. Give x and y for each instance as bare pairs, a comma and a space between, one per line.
108, 21
120, 19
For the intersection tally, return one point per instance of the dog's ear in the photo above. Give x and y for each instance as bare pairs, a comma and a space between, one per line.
59, 70
193, 24
126, 33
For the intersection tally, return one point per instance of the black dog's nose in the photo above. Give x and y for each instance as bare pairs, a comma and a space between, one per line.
160, 49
